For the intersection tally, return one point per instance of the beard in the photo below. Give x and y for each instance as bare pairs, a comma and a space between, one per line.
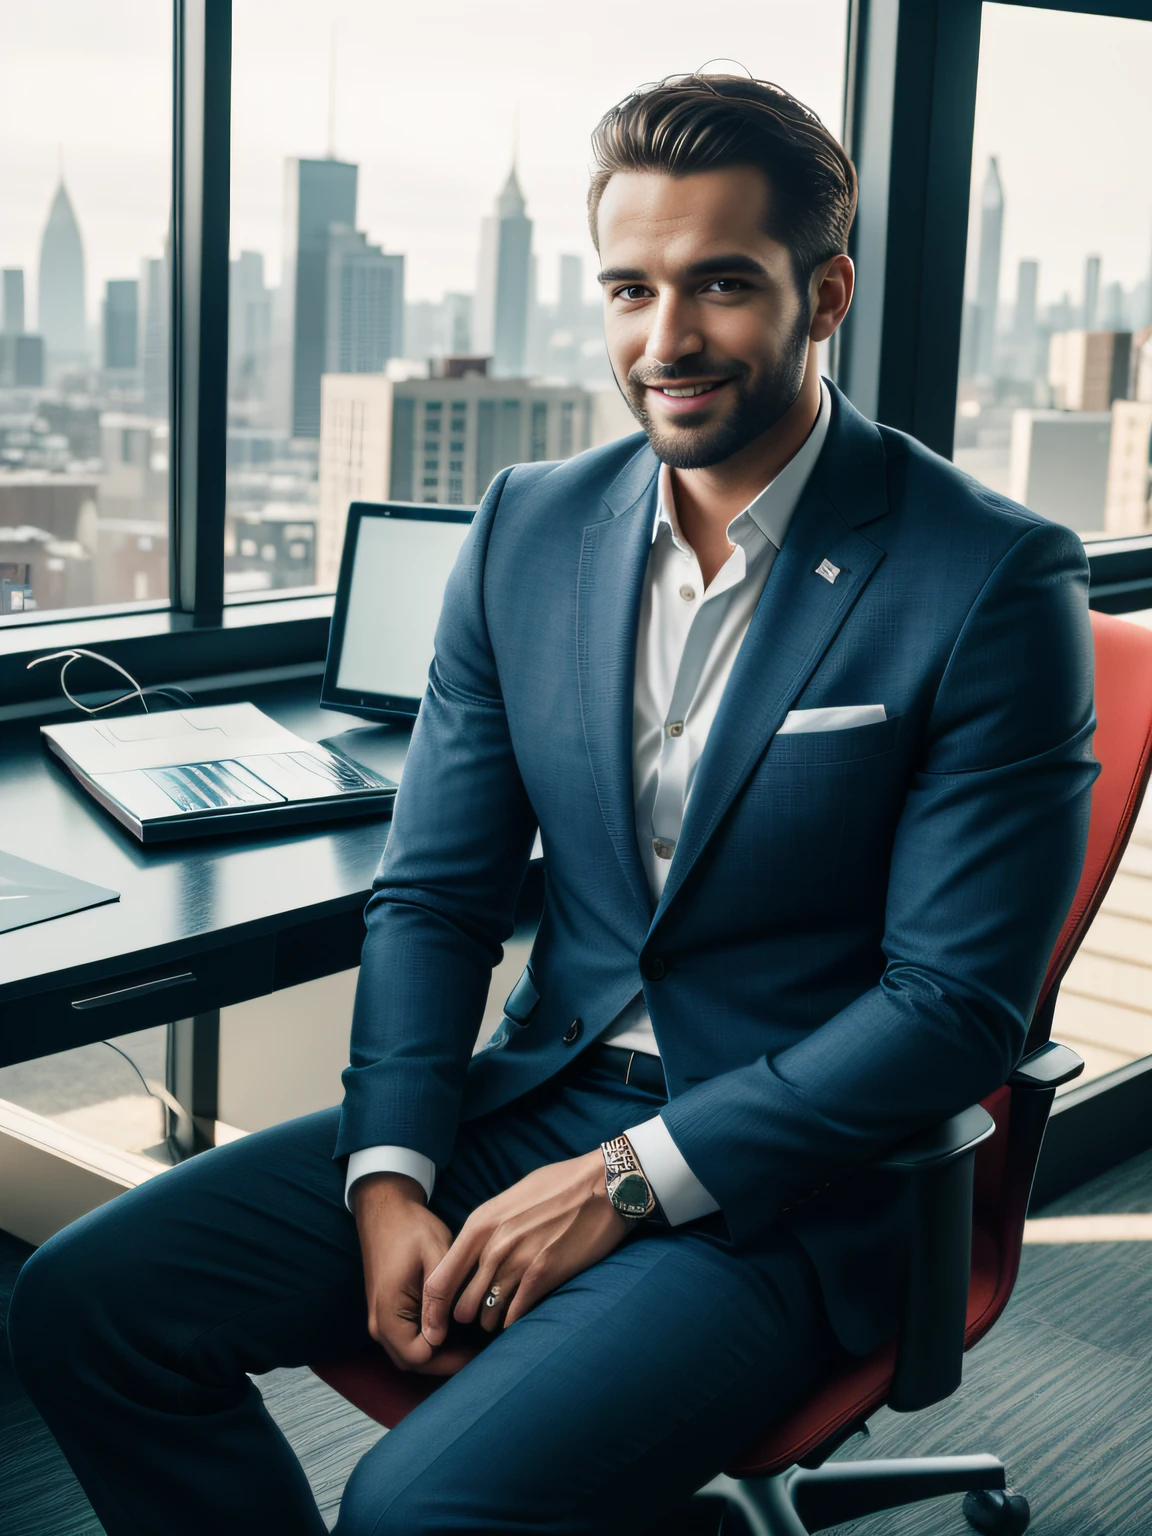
760, 398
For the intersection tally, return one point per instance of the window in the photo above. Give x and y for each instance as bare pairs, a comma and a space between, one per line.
1054, 405
454, 261
85, 145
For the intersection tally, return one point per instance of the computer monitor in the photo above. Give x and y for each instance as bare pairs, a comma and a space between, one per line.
393, 572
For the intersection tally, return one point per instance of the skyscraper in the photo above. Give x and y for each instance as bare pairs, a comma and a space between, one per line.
365, 321
988, 268
62, 283
570, 310
121, 319
1024, 318
13, 315
153, 334
500, 323
317, 194
249, 327
1091, 292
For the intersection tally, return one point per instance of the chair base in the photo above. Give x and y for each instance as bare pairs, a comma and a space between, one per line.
799, 1503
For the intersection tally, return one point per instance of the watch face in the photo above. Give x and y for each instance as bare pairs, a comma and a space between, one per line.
631, 1196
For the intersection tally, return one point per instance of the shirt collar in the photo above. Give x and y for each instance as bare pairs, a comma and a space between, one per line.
771, 511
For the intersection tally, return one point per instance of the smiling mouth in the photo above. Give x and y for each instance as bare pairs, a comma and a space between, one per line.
687, 391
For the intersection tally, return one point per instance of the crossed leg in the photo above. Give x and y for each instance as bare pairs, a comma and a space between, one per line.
134, 1331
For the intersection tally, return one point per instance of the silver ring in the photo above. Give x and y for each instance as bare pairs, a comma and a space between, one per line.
492, 1297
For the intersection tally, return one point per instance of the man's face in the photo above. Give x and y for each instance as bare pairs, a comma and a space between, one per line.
706, 330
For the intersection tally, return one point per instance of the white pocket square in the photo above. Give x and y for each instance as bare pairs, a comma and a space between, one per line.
839, 717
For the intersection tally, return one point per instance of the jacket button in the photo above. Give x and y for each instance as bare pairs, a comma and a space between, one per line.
573, 1032
656, 969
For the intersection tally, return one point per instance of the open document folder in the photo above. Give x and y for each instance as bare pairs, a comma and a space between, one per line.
199, 772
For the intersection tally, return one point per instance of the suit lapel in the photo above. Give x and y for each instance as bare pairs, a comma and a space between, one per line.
795, 621
613, 560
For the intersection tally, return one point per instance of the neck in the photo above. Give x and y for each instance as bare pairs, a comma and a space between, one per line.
708, 499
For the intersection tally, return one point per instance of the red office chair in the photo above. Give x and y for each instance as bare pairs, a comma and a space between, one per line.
971, 1179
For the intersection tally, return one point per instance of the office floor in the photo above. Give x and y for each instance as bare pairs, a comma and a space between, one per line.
1061, 1389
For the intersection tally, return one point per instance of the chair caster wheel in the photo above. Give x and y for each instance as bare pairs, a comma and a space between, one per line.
997, 1513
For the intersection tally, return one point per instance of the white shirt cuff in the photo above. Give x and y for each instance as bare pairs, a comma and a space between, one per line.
390, 1160
681, 1195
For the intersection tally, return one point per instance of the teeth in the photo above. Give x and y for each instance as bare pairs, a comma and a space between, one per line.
688, 390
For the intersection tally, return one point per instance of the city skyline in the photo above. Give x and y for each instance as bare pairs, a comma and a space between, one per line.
98, 88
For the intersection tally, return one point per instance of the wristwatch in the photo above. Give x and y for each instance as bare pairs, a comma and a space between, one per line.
628, 1188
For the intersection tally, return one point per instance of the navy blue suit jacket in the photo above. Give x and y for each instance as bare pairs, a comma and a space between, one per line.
856, 923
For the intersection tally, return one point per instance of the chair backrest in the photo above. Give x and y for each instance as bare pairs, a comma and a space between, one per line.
1006, 1165
1123, 748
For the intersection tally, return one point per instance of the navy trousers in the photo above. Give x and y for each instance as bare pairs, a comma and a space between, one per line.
134, 1331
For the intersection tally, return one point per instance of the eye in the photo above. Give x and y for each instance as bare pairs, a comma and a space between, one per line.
726, 285
631, 292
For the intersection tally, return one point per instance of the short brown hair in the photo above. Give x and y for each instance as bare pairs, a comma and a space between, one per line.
690, 123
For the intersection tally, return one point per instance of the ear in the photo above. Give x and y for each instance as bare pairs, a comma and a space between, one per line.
830, 294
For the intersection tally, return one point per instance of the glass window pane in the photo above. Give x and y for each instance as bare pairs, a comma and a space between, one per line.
85, 163
1055, 395
395, 203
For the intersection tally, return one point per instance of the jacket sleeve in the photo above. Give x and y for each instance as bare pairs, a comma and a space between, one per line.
985, 862
443, 900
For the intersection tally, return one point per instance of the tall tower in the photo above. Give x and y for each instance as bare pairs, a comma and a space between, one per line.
988, 267
12, 322
1091, 292
317, 194
152, 334
500, 325
365, 325
121, 323
1024, 318
62, 283
570, 310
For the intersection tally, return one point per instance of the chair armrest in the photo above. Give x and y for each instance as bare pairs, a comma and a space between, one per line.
1049, 1067
937, 1168
940, 1144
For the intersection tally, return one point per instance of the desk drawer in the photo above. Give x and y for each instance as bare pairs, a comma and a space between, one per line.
54, 1021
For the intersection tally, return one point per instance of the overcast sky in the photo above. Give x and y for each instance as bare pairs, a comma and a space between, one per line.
1065, 101
428, 97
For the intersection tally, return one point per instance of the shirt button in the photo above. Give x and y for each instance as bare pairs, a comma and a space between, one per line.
573, 1032
663, 847
675, 727
688, 593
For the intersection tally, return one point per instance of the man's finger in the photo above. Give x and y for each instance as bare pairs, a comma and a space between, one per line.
495, 1266
443, 1284
538, 1280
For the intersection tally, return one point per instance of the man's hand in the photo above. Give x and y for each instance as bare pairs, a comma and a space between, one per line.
401, 1243
550, 1226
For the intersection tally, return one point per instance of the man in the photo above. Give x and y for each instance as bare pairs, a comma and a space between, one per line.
804, 718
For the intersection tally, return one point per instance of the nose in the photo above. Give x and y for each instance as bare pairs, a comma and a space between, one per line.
674, 332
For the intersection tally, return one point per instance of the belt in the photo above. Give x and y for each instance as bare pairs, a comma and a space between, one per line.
637, 1068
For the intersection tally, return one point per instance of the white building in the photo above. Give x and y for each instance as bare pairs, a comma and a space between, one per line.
1126, 508
1058, 465
443, 439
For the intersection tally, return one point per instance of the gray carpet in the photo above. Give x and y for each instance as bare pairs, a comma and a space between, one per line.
1061, 1389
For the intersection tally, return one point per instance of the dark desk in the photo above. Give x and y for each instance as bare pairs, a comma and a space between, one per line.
199, 924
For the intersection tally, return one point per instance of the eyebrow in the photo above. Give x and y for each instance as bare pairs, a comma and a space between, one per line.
712, 266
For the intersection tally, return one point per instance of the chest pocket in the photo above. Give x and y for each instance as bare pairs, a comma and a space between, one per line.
815, 748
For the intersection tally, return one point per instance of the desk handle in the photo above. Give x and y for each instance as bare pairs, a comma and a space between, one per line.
126, 994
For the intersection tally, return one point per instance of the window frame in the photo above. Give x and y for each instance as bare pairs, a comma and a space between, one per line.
909, 115
910, 98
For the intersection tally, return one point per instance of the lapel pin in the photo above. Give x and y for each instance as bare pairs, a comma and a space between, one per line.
828, 571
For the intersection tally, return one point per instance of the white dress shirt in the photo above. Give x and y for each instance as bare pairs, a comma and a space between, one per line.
688, 639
